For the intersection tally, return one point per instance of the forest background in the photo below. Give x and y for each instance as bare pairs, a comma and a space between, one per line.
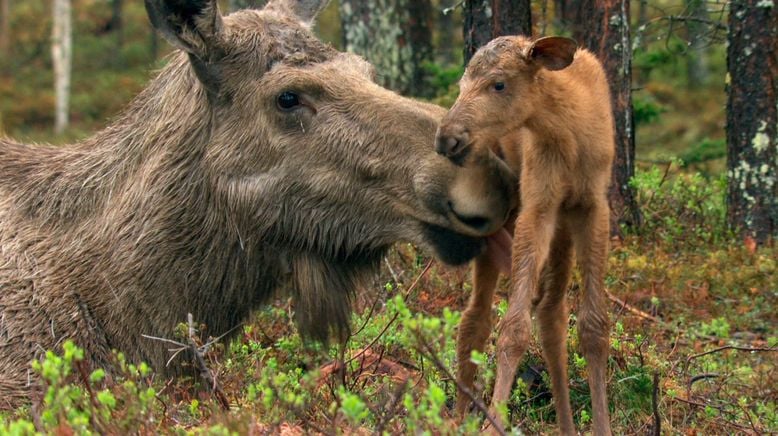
693, 270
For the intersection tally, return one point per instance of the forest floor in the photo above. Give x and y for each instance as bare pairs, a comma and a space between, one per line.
693, 349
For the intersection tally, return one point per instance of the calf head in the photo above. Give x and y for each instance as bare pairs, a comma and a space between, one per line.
499, 91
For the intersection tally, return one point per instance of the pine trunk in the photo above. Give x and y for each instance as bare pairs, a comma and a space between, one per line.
602, 26
488, 19
394, 36
752, 121
62, 56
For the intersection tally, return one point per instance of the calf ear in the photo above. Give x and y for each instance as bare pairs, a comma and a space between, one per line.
553, 52
194, 26
304, 10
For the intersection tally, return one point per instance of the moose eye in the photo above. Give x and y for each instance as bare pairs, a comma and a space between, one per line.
499, 86
288, 100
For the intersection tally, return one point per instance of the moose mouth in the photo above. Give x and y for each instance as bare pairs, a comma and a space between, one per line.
457, 249
451, 247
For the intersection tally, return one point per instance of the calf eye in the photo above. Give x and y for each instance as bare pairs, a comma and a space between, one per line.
288, 100
499, 86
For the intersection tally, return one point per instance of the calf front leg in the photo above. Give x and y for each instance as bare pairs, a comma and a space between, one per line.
475, 327
532, 239
591, 240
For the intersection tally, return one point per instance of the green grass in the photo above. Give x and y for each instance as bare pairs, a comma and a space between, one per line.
700, 316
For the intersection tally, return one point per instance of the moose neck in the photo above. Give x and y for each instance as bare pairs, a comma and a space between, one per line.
134, 196
553, 109
60, 186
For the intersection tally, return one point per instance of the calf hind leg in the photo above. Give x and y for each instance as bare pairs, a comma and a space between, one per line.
552, 317
475, 327
591, 242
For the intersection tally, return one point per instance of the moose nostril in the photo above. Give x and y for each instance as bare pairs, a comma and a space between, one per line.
452, 146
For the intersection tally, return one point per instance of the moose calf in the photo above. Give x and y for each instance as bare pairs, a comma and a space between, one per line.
545, 105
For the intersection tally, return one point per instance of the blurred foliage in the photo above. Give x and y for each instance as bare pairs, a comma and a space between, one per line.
673, 120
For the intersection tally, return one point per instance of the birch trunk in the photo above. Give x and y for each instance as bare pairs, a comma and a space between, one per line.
62, 56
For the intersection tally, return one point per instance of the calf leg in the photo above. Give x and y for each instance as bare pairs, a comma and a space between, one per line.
552, 317
476, 325
532, 240
591, 240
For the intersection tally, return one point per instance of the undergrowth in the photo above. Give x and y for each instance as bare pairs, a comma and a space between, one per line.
693, 349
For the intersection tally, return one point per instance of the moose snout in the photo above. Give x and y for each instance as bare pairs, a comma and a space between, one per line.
452, 141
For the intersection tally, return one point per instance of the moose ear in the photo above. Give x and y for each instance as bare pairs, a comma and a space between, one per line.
553, 52
194, 26
304, 10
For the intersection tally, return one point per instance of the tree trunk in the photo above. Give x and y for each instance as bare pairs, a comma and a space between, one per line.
697, 58
752, 136
117, 24
235, 5
446, 29
565, 13
62, 55
393, 35
488, 19
5, 25
153, 44
602, 26
642, 12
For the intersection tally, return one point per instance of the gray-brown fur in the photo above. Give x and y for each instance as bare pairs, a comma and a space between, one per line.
205, 197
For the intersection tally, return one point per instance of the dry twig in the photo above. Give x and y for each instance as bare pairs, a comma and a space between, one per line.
630, 308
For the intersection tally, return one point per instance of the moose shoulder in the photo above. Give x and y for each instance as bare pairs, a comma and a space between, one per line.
259, 159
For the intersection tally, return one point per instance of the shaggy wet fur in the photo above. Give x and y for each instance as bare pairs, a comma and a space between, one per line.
205, 197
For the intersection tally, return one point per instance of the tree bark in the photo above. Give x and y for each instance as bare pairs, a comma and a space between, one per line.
394, 35
5, 25
235, 5
446, 29
603, 27
752, 121
117, 23
488, 19
62, 56
697, 58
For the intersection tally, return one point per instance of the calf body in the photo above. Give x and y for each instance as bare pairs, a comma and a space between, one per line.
260, 160
545, 106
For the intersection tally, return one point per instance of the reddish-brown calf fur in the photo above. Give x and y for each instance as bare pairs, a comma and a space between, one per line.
545, 105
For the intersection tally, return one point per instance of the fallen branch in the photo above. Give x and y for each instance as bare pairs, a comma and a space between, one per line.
630, 308
731, 347
205, 373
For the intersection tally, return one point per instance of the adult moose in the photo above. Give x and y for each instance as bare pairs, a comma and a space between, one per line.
259, 159
544, 105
